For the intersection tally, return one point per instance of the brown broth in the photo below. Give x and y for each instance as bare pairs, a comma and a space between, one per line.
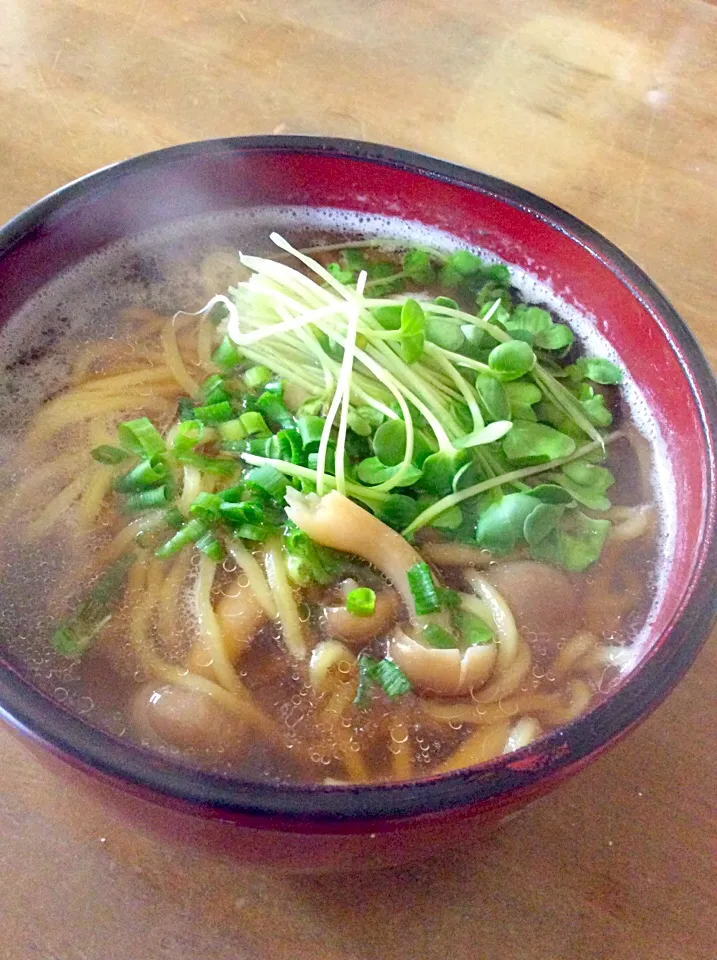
316, 736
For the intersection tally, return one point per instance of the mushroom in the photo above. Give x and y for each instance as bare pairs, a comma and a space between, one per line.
448, 673
335, 521
240, 615
187, 719
540, 597
356, 630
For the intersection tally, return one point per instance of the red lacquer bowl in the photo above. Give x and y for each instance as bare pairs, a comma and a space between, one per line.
326, 827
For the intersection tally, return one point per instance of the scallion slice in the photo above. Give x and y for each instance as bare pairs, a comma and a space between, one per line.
254, 424
146, 499
267, 479
214, 412
190, 533
140, 437
210, 546
439, 638
361, 602
256, 377
147, 474
423, 589
108, 455
226, 355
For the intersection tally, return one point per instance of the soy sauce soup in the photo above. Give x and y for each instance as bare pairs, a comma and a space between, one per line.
376, 512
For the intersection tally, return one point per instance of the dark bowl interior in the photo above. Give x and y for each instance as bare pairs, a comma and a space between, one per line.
585, 269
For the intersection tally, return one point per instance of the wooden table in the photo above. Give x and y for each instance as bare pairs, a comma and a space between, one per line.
611, 112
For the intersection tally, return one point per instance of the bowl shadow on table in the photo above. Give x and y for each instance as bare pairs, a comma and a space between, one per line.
612, 858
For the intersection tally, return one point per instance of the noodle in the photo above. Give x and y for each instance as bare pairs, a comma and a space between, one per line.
54, 510
502, 618
250, 566
573, 650
291, 628
481, 746
175, 363
524, 732
506, 681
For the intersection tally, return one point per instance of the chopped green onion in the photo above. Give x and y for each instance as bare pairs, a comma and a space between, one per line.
214, 412
310, 429
189, 434
256, 377
108, 455
173, 517
286, 445
209, 545
267, 479
206, 506
361, 602
392, 680
75, 634
273, 408
226, 355
217, 466
473, 631
146, 499
214, 389
307, 561
147, 474
254, 423
245, 511
439, 638
189, 533
185, 409
231, 430
423, 589
140, 437
250, 531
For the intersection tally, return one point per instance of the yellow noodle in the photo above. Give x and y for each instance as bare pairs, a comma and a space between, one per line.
119, 382
251, 568
325, 659
191, 488
401, 753
291, 628
579, 697
55, 508
170, 600
479, 747
141, 605
352, 759
150, 321
89, 355
42, 477
505, 682
174, 361
98, 486
455, 555
573, 650
507, 633
522, 733
209, 629
481, 715
128, 534
78, 409
205, 333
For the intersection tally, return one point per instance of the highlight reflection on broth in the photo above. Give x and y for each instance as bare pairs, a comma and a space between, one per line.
366, 516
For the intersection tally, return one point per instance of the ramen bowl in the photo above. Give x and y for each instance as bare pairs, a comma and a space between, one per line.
334, 826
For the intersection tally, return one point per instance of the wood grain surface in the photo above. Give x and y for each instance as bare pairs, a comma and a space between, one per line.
609, 110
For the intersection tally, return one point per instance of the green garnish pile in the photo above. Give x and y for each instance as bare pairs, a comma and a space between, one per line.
465, 411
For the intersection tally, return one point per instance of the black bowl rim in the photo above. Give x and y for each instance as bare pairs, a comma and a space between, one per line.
35, 714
